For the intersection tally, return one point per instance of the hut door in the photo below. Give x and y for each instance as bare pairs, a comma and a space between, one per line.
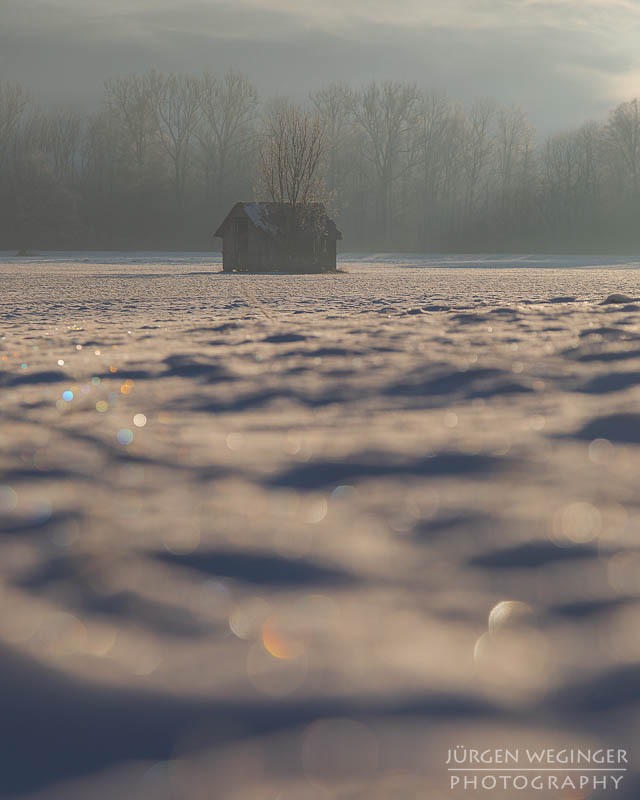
241, 243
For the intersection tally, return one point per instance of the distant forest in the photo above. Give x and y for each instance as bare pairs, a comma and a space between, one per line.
402, 169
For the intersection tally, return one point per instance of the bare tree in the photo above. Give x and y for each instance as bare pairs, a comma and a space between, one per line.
334, 104
516, 169
225, 130
130, 100
388, 114
477, 150
623, 130
177, 106
438, 132
291, 156
13, 101
62, 137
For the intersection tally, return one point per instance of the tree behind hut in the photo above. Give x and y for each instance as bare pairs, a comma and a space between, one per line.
292, 166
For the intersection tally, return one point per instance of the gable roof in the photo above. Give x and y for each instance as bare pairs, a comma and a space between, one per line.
271, 217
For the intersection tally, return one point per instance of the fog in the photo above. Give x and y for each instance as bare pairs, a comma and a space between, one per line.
564, 62
487, 126
165, 156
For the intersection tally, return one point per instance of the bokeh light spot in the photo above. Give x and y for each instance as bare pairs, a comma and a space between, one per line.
277, 643
510, 614
235, 441
125, 436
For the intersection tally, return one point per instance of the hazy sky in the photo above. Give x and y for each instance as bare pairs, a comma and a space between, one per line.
562, 60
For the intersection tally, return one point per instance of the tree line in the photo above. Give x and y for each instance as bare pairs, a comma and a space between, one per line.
401, 168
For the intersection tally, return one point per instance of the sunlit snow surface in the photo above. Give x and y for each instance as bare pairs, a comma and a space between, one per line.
295, 537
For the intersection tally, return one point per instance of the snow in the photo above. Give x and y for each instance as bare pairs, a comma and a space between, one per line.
369, 516
257, 215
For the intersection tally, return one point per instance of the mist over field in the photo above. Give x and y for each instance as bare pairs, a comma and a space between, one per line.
447, 126
564, 62
401, 168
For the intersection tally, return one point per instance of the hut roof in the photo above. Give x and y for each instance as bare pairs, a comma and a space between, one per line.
272, 218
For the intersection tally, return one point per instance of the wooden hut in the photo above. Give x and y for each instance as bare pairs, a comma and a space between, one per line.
266, 237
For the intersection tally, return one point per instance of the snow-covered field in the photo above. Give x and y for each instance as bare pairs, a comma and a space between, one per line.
295, 537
